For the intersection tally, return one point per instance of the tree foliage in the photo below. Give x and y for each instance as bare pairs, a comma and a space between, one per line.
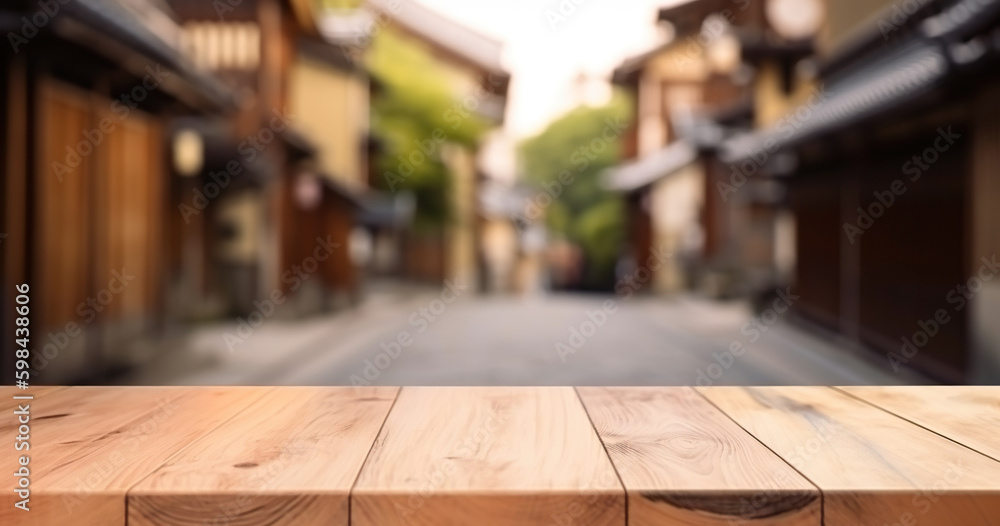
566, 161
417, 112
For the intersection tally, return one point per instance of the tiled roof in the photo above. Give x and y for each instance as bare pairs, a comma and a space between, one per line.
882, 86
882, 81
651, 168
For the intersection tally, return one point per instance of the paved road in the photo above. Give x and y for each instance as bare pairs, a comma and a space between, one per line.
582, 340
543, 340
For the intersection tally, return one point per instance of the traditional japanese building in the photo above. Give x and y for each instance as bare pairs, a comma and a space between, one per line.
297, 142
89, 91
479, 85
690, 93
888, 151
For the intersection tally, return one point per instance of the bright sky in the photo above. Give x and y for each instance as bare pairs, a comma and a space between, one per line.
545, 57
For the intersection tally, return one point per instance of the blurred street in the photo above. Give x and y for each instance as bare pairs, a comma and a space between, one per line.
668, 192
510, 340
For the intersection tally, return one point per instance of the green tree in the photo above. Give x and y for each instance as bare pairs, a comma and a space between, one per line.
577, 148
416, 113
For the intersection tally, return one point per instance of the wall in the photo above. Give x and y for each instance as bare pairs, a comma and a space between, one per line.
985, 242
672, 77
815, 201
876, 287
97, 234
500, 249
330, 106
915, 253
676, 203
462, 230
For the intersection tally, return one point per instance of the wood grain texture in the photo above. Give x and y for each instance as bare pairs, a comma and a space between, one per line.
290, 460
496, 456
969, 415
90, 444
872, 467
684, 462
508, 456
7, 394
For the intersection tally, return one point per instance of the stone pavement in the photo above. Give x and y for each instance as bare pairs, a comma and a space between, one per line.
438, 337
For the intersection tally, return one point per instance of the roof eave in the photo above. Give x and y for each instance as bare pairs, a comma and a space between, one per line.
91, 29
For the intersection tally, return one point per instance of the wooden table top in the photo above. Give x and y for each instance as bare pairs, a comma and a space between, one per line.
504, 456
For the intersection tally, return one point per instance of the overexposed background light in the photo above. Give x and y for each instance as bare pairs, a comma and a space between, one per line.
549, 43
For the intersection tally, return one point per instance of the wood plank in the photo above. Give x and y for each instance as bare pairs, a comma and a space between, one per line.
969, 415
683, 461
872, 467
90, 444
7, 394
501, 456
61, 228
62, 207
130, 214
290, 460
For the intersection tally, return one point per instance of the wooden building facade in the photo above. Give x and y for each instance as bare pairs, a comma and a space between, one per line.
472, 65
682, 89
893, 184
289, 201
86, 100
